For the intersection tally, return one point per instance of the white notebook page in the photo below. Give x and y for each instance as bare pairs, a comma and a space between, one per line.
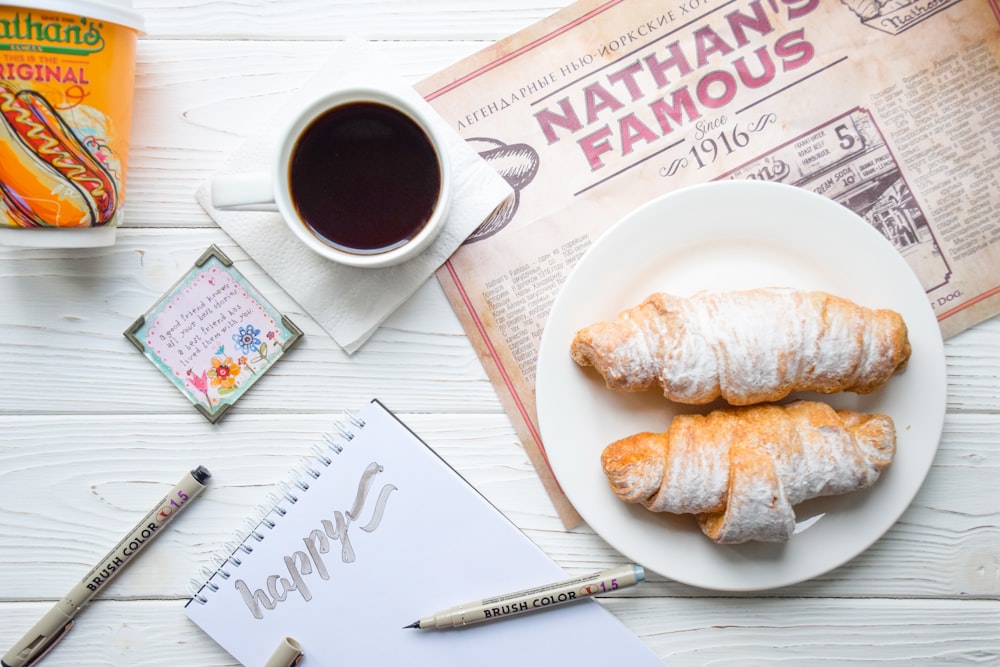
411, 537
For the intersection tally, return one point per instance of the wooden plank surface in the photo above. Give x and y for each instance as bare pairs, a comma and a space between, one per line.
91, 435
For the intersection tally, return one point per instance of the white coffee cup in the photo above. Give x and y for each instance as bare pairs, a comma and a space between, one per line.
359, 175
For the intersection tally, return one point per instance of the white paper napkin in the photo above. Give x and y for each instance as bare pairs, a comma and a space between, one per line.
350, 303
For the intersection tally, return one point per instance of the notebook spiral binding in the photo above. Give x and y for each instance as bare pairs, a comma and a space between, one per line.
265, 516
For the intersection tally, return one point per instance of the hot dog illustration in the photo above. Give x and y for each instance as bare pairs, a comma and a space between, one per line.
48, 178
517, 164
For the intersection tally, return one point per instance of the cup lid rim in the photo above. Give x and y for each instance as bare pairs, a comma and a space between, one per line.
98, 9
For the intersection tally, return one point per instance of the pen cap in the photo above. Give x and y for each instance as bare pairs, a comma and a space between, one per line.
37, 641
288, 653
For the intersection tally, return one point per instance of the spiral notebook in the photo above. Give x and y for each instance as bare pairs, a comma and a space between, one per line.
378, 532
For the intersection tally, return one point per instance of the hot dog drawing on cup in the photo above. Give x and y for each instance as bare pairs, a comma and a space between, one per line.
48, 175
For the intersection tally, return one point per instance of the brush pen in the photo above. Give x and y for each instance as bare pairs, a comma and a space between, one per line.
40, 639
533, 599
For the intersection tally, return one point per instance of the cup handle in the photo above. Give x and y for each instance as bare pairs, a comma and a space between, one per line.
251, 192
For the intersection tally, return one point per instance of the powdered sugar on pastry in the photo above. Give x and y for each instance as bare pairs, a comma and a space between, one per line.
741, 470
747, 346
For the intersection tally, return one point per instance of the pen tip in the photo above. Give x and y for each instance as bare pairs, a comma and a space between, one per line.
415, 624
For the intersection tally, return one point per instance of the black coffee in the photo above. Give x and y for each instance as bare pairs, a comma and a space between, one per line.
364, 177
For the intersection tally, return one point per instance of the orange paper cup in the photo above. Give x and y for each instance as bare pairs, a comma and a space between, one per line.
67, 73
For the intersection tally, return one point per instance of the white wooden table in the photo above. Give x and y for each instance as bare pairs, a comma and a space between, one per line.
92, 436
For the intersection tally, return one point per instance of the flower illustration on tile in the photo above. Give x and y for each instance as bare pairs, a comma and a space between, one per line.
248, 364
247, 339
223, 373
199, 382
276, 339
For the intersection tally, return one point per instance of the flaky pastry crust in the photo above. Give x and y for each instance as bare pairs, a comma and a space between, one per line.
741, 471
747, 346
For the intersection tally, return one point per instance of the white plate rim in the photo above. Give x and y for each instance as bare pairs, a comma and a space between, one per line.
574, 407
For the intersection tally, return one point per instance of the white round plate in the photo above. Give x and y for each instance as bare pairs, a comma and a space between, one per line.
735, 235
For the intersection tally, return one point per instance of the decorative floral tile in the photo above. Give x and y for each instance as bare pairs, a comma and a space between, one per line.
213, 335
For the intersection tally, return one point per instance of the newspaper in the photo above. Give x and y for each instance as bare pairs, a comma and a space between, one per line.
890, 107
